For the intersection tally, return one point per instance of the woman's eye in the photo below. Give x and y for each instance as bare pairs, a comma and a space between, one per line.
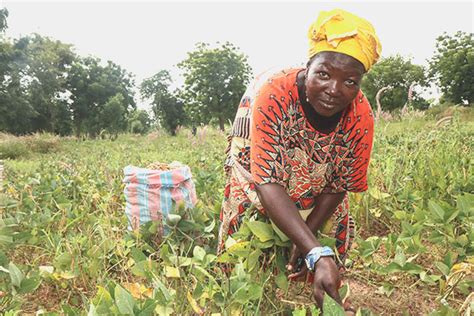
323, 74
350, 82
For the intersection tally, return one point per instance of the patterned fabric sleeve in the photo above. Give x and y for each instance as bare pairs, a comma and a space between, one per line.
266, 156
350, 172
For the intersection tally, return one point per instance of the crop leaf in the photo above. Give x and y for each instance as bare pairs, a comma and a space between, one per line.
263, 231
16, 275
331, 307
124, 300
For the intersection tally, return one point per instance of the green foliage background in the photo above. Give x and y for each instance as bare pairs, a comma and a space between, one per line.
453, 65
45, 86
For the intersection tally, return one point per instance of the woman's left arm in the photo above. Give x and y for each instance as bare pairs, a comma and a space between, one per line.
326, 204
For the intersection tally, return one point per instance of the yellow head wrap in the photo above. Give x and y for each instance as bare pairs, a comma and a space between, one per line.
340, 31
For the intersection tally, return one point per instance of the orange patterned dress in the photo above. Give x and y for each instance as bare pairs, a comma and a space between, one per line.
273, 142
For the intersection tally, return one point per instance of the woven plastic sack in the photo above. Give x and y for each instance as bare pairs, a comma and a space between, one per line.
149, 194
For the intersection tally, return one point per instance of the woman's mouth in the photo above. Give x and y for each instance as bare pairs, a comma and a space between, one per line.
327, 106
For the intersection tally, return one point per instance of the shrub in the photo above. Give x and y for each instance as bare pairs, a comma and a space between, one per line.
12, 147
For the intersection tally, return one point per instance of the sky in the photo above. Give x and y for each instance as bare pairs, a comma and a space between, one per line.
145, 37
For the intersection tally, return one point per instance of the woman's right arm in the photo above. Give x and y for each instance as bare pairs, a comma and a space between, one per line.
284, 213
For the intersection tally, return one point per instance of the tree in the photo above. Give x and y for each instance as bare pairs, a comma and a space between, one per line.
32, 84
139, 122
113, 115
453, 66
167, 107
83, 75
93, 90
48, 63
16, 113
3, 19
45, 86
215, 79
396, 74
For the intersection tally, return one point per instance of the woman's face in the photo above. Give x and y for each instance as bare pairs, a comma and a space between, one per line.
332, 82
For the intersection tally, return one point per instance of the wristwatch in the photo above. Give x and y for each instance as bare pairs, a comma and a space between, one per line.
315, 254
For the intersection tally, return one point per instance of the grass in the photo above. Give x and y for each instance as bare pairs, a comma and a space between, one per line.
64, 247
23, 147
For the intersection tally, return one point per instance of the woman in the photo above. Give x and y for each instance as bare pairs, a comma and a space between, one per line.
300, 141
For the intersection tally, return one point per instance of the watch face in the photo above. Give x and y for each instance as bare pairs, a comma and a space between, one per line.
311, 261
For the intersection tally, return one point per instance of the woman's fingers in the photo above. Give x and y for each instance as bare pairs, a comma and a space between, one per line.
331, 285
349, 313
327, 279
319, 290
318, 294
333, 291
294, 254
296, 276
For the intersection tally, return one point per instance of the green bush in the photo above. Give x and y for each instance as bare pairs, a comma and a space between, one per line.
12, 147
466, 113
43, 145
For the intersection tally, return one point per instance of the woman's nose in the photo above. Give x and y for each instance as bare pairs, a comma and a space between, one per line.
333, 88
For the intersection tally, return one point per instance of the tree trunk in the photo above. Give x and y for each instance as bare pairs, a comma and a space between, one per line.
410, 97
113, 137
78, 128
221, 123
1, 175
377, 99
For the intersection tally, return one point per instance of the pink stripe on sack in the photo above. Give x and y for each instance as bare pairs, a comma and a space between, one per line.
154, 178
178, 176
135, 209
130, 176
192, 189
154, 204
154, 198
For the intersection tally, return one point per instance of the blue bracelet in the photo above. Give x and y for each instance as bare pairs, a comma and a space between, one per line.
315, 254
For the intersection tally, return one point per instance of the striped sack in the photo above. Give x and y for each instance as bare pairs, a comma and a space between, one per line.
149, 194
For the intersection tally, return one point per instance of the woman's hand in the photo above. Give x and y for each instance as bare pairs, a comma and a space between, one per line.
296, 265
326, 280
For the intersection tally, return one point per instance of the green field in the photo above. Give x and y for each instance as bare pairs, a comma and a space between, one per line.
65, 249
